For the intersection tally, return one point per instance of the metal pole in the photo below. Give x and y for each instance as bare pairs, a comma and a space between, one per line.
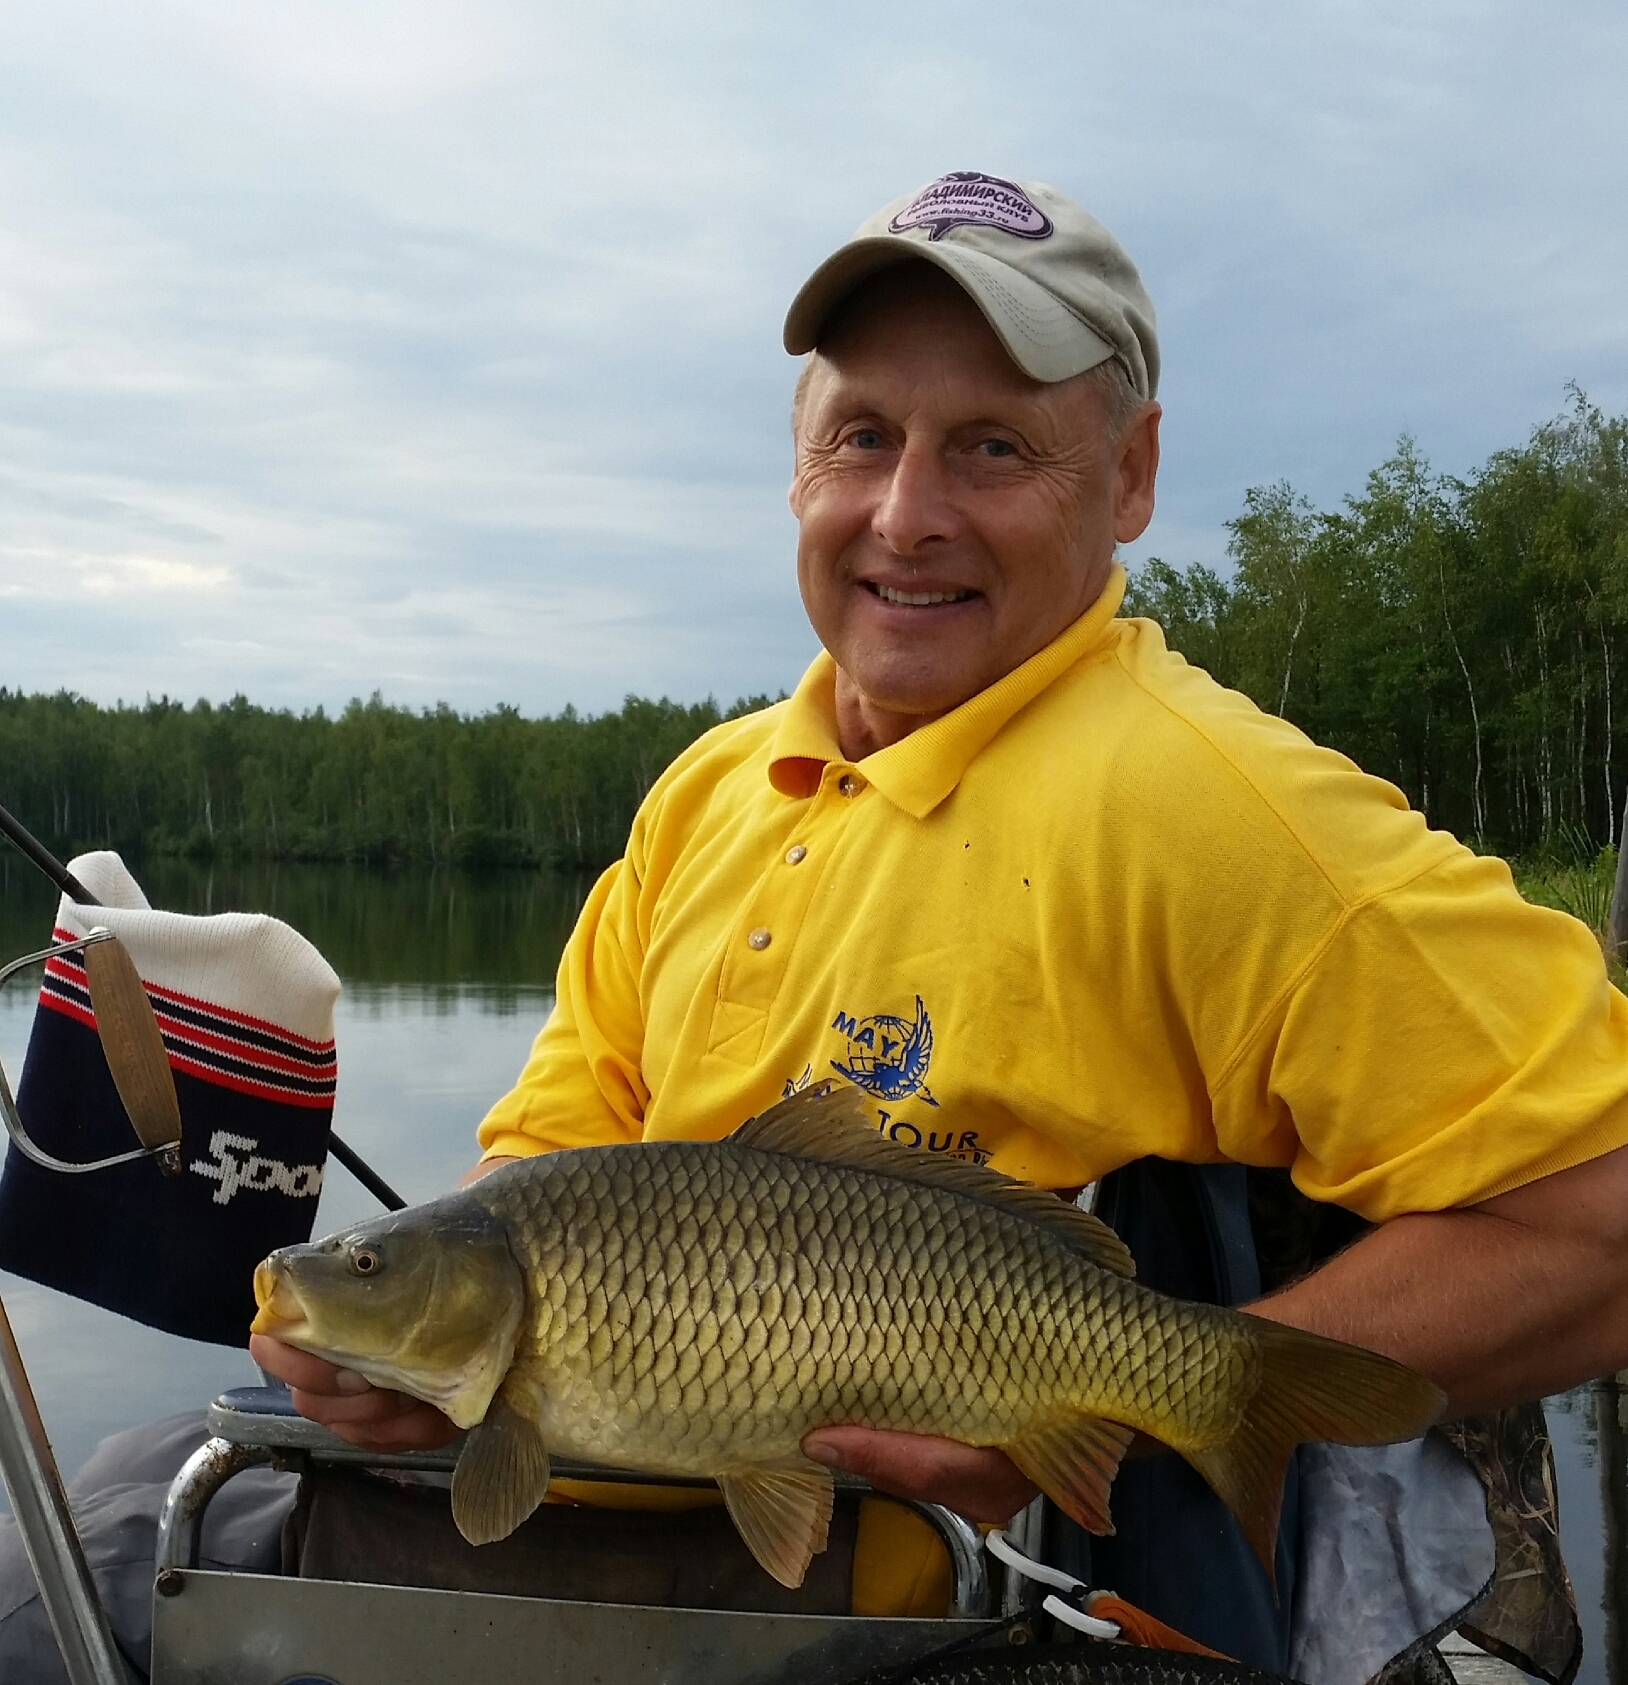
46, 861
1612, 1449
1027, 1532
46, 1524
366, 1174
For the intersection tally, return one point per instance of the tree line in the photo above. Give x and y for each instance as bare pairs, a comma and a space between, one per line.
1463, 637
375, 784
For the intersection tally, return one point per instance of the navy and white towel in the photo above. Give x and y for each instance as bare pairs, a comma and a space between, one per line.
245, 1005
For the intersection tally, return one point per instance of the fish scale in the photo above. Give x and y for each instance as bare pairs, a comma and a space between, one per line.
907, 1305
696, 1308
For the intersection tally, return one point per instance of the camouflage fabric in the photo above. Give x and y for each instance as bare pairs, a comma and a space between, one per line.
1424, 1667
1530, 1617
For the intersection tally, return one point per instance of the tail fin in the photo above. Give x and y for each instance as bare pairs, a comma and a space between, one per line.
1311, 1388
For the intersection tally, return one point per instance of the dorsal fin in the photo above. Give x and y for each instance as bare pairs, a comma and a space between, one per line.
828, 1121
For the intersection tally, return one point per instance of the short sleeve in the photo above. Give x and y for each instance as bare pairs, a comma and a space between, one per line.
1445, 1043
583, 1084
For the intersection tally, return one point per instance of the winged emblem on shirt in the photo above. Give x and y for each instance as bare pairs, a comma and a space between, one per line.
888, 1055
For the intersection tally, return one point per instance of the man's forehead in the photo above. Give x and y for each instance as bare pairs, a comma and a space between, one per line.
887, 378
903, 354
904, 289
911, 325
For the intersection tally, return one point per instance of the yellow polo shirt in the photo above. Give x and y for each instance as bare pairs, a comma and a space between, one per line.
1106, 908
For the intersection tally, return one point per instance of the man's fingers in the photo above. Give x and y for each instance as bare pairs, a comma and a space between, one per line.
978, 1482
373, 1418
379, 1420
377, 1404
902, 1458
299, 1369
421, 1429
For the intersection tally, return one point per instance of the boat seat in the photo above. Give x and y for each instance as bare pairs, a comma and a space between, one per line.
262, 1630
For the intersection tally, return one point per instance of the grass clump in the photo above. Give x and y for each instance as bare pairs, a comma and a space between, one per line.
1577, 882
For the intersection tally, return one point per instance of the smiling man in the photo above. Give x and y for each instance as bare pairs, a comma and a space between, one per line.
1053, 900
955, 514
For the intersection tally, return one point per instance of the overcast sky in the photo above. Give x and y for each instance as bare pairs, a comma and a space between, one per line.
435, 348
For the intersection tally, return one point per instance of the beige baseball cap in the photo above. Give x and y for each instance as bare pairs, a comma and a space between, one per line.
1054, 284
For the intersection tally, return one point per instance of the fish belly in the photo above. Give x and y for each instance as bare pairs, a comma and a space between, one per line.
695, 1307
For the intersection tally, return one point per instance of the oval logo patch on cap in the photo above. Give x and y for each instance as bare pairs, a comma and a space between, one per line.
970, 199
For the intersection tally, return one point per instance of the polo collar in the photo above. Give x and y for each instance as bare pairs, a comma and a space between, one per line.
920, 770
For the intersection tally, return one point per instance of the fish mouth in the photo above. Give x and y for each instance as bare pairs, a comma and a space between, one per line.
280, 1312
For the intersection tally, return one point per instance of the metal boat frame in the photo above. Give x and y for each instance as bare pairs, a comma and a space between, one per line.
255, 1629
26, 1460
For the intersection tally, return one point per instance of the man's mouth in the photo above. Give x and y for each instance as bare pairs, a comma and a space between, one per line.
915, 599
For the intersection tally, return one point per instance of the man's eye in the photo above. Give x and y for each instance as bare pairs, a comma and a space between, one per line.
998, 447
867, 439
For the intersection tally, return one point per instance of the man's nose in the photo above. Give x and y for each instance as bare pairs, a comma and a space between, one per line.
916, 507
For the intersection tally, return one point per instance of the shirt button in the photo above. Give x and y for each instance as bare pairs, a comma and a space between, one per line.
796, 854
760, 938
849, 785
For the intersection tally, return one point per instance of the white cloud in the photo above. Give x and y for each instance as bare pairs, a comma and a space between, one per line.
435, 347
65, 577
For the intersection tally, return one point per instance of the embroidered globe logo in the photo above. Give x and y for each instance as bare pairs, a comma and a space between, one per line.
888, 1055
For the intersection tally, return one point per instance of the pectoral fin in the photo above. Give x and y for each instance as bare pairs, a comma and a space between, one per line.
1074, 1463
783, 1513
501, 1477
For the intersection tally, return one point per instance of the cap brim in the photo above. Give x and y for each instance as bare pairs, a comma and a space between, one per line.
1041, 334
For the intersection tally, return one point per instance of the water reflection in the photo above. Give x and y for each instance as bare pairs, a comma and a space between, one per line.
447, 978
497, 931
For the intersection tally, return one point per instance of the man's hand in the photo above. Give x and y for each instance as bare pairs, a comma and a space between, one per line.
981, 1484
371, 1417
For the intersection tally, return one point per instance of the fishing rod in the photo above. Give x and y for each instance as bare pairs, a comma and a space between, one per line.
76, 892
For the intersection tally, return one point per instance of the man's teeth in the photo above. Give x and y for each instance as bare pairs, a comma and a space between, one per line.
919, 599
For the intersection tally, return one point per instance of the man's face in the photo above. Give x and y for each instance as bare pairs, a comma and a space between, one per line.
955, 514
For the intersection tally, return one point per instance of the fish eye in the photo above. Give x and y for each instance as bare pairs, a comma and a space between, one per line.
365, 1261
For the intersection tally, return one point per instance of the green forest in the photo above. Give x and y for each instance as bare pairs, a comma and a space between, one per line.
375, 784
1465, 638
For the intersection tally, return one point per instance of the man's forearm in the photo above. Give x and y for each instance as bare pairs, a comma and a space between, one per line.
1521, 1296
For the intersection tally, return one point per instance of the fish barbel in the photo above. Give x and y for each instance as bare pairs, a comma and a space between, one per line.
697, 1307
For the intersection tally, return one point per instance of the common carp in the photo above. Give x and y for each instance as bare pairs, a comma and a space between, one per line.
697, 1307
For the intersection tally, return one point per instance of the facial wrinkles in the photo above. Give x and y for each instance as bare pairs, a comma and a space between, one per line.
921, 500
985, 502
1058, 437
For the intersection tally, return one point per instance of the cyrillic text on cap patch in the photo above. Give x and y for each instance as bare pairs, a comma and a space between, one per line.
970, 199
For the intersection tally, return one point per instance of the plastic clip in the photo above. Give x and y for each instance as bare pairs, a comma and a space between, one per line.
1066, 1608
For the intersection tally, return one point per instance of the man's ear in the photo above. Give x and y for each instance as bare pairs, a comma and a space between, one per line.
1137, 469
799, 406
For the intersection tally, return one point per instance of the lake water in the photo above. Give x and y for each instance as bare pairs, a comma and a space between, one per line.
447, 978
